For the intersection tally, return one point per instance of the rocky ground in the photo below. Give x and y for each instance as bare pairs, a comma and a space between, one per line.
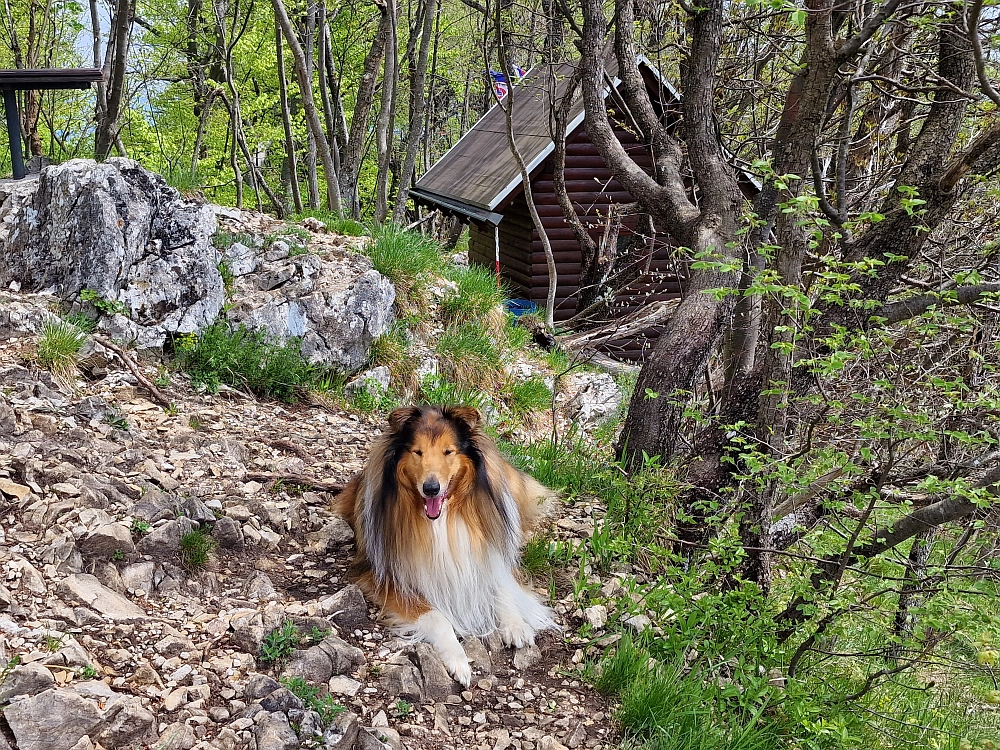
103, 626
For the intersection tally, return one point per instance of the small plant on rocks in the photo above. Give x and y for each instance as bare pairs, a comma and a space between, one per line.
317, 634
403, 708
139, 526
117, 420
196, 548
279, 644
107, 306
247, 359
323, 704
87, 672
52, 643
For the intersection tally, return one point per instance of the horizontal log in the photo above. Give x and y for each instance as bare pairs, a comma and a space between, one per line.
586, 185
586, 198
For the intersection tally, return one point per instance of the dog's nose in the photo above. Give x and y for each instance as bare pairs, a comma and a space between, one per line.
431, 488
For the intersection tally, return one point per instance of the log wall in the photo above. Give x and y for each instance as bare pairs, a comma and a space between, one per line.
592, 189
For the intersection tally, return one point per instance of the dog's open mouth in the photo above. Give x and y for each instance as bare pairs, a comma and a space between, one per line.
433, 505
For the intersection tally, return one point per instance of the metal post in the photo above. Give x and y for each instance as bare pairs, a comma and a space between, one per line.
14, 133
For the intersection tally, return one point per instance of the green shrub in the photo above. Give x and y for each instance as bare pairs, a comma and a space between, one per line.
280, 643
371, 398
315, 700
59, 347
316, 635
246, 359
224, 240
183, 180
226, 272
116, 419
196, 548
107, 306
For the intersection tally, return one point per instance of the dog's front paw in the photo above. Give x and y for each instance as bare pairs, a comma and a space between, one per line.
458, 667
517, 633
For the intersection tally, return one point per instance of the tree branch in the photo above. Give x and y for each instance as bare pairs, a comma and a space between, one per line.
977, 50
897, 312
670, 200
851, 47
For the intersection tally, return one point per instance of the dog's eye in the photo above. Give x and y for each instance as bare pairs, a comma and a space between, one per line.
448, 452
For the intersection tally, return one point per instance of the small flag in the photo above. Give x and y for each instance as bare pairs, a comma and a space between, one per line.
499, 84
520, 72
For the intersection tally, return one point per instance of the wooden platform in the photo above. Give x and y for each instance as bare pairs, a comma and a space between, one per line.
36, 79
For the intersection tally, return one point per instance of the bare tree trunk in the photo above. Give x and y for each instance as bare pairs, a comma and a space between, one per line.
286, 122
95, 27
229, 41
429, 111
708, 229
206, 113
309, 105
387, 114
909, 592
417, 104
324, 87
339, 135
350, 166
312, 149
114, 74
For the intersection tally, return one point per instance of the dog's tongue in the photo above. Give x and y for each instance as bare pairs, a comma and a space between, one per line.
432, 506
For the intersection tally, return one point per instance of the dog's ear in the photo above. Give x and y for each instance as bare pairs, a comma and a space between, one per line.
399, 417
468, 414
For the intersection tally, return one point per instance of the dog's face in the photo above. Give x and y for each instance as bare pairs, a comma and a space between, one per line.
434, 457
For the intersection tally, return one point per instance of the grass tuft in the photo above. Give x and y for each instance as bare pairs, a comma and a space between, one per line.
403, 257
439, 391
471, 357
392, 350
535, 560
59, 348
526, 396
477, 297
81, 321
334, 223
245, 359
673, 710
196, 549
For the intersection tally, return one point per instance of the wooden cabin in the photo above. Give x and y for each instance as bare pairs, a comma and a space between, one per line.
479, 181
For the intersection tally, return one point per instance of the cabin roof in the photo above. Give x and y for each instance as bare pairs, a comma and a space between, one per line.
479, 174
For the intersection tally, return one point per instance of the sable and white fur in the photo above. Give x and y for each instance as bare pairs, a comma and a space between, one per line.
439, 519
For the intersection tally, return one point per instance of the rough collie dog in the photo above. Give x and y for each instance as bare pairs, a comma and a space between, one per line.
439, 519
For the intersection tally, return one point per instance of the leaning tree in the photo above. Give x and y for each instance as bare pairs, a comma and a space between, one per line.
832, 362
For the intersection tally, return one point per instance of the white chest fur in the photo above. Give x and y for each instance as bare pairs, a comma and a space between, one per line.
463, 585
